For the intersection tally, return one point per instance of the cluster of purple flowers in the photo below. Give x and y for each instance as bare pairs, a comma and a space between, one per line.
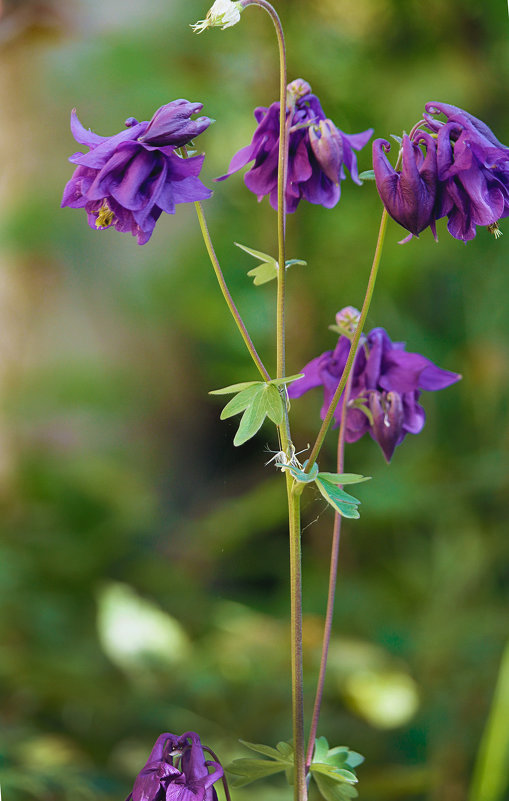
128, 180
464, 175
176, 770
385, 389
318, 152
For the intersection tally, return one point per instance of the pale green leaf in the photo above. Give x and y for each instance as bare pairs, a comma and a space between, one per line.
301, 476
338, 774
252, 419
273, 404
332, 790
344, 478
286, 749
321, 749
264, 273
249, 770
266, 750
241, 401
233, 388
295, 263
257, 254
278, 382
340, 500
354, 759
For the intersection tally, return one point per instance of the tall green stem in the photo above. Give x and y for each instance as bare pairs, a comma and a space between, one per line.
353, 347
293, 493
281, 186
226, 293
332, 584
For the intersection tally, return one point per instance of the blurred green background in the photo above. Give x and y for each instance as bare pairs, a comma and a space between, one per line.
143, 559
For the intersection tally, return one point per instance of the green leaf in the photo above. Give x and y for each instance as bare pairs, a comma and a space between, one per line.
264, 273
240, 402
367, 175
321, 749
278, 382
252, 418
234, 388
286, 749
340, 500
257, 254
249, 770
333, 790
354, 759
344, 478
300, 475
295, 263
274, 404
338, 774
266, 750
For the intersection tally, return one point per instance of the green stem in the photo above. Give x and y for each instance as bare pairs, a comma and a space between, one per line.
354, 345
293, 493
281, 186
226, 293
332, 584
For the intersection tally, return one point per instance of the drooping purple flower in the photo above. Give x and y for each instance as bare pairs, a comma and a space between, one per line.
408, 195
318, 152
473, 172
464, 175
176, 770
128, 180
385, 389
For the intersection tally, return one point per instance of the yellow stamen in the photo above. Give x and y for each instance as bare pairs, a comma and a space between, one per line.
495, 230
105, 216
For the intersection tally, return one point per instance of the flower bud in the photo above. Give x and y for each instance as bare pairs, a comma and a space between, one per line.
223, 14
172, 125
327, 145
348, 319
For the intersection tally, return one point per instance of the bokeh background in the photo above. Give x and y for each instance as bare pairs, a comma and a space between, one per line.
143, 559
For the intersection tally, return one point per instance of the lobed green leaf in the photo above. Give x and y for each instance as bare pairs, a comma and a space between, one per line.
248, 770
234, 388
257, 254
241, 401
266, 750
340, 500
344, 478
264, 273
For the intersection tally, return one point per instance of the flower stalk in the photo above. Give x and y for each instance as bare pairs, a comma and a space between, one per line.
353, 347
333, 571
226, 293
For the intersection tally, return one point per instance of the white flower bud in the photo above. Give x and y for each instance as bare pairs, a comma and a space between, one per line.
223, 14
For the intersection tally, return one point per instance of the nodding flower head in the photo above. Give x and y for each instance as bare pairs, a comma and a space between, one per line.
126, 181
318, 152
223, 14
177, 770
464, 175
409, 195
473, 172
385, 388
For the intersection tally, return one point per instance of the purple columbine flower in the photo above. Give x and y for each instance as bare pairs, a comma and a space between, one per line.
385, 390
473, 172
318, 152
464, 175
128, 180
408, 195
176, 770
